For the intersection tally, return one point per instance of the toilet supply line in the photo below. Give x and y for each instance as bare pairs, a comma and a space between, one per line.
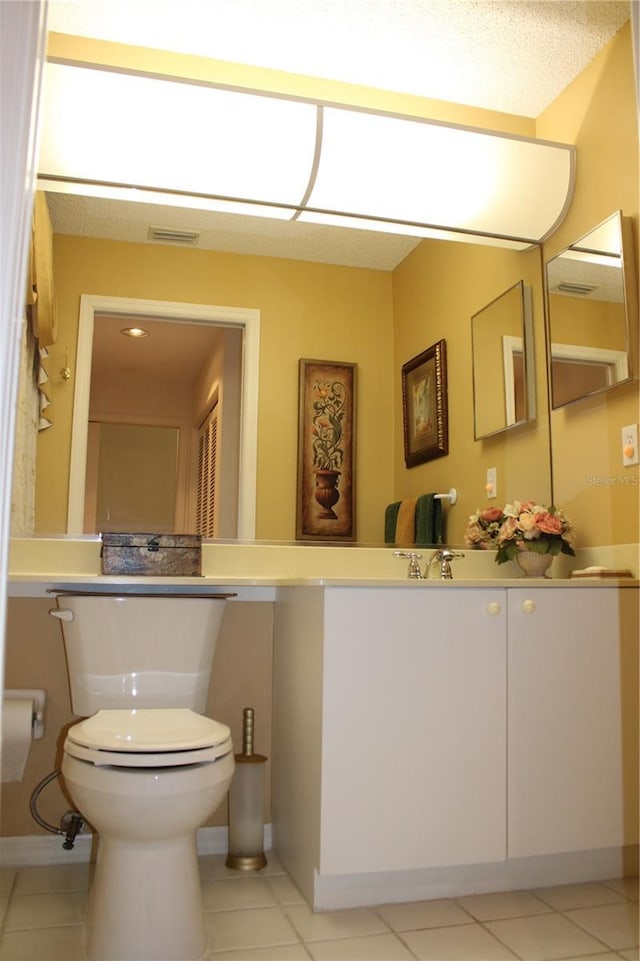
71, 822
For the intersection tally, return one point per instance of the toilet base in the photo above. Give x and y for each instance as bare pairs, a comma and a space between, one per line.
145, 902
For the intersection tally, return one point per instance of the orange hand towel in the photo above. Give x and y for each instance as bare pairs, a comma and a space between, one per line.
406, 523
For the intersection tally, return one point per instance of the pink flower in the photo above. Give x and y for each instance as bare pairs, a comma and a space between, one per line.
549, 524
491, 514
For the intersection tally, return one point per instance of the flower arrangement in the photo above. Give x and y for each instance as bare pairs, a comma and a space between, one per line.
326, 429
521, 526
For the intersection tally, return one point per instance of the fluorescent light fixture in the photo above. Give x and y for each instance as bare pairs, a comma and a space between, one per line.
116, 135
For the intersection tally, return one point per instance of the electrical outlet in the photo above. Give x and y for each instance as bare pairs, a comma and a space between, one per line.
630, 445
491, 486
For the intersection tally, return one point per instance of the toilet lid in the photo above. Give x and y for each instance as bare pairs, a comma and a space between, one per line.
152, 731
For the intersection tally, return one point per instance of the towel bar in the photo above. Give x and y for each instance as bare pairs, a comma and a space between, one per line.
451, 496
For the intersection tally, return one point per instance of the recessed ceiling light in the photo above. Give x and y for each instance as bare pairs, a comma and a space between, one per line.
135, 332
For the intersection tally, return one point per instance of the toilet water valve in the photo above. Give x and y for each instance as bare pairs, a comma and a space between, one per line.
71, 824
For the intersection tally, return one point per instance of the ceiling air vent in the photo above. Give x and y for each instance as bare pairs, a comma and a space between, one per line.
170, 235
573, 289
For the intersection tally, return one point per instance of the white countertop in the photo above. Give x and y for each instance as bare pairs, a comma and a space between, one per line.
40, 565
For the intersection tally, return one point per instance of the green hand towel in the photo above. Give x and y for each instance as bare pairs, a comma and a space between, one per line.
390, 520
429, 521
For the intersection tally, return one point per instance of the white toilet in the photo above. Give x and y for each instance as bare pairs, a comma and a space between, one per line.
145, 768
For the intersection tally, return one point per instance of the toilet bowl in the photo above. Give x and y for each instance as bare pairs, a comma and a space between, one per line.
144, 769
146, 802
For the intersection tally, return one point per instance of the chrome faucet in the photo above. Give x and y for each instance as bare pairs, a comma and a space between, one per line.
414, 571
444, 555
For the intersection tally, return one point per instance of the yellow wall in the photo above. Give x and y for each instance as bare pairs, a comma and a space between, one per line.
437, 289
307, 310
598, 113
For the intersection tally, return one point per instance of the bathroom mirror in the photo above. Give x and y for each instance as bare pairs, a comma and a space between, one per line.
502, 356
591, 313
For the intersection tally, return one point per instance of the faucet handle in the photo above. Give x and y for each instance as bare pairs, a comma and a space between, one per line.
413, 558
444, 555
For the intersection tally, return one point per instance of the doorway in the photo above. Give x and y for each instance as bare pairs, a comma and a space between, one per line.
242, 499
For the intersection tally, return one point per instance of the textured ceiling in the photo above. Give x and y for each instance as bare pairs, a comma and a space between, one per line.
509, 55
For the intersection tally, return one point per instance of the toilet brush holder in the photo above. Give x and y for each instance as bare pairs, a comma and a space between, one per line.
246, 804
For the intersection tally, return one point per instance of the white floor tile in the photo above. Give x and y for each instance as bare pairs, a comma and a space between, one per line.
607, 956
352, 923
45, 910
628, 887
511, 904
44, 944
47, 879
422, 914
232, 895
615, 924
630, 954
253, 928
7, 877
469, 942
280, 952
377, 947
542, 937
568, 896
284, 890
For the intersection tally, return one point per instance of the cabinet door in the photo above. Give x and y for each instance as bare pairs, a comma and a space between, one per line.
414, 728
573, 720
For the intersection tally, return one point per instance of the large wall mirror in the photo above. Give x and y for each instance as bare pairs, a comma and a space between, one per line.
502, 357
591, 313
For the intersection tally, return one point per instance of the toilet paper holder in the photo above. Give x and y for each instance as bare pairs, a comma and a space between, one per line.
39, 698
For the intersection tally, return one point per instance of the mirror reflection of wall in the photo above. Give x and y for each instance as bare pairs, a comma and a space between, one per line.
132, 478
501, 359
588, 315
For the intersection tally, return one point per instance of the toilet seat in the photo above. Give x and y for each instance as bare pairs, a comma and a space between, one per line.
165, 737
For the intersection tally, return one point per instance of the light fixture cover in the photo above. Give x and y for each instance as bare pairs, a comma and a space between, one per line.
143, 138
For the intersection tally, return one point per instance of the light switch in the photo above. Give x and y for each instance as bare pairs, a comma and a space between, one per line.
630, 445
491, 485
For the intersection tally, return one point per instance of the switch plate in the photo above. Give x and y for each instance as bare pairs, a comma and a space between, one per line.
630, 445
491, 486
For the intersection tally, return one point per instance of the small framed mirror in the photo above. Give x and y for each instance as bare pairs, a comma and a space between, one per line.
502, 358
591, 313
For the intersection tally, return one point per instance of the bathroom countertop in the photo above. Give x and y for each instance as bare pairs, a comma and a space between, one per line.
254, 571
265, 588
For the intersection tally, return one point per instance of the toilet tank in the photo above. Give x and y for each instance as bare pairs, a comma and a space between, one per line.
139, 651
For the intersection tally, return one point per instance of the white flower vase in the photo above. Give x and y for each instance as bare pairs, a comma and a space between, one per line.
533, 564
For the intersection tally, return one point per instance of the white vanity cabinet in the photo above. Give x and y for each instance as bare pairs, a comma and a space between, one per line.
432, 740
389, 729
413, 730
573, 720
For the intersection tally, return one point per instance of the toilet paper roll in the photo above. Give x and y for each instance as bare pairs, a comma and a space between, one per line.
17, 720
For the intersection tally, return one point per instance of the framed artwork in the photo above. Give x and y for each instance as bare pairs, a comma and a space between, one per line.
424, 406
326, 451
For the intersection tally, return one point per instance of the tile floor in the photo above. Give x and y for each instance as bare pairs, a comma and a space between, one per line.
264, 916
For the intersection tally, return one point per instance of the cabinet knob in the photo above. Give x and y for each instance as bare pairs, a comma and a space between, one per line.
493, 608
528, 607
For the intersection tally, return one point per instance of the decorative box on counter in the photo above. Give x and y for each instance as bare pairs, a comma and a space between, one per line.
159, 555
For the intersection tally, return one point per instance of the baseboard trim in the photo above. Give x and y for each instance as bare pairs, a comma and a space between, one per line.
45, 849
333, 892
